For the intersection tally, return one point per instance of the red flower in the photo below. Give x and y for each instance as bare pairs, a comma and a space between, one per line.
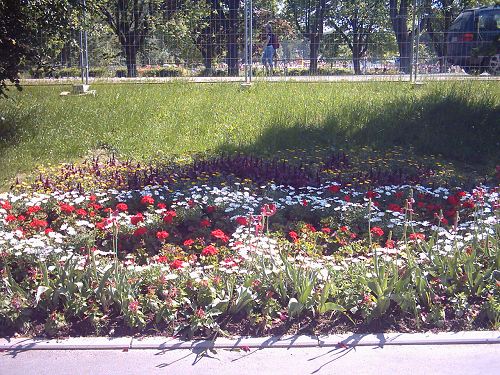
326, 230
453, 200
122, 207
294, 236
5, 205
377, 231
162, 259
48, 230
390, 244
81, 212
311, 228
161, 206
204, 223
344, 228
394, 207
9, 218
162, 235
371, 194
241, 220
398, 194
101, 225
136, 219
469, 204
169, 216
209, 250
304, 203
417, 236
21, 218
188, 242
219, 234
33, 209
334, 188
38, 224
66, 208
177, 263
347, 198
140, 231
211, 209
147, 200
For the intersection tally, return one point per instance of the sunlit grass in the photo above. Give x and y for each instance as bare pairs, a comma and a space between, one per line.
457, 120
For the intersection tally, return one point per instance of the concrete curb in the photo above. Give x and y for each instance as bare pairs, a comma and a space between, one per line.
289, 342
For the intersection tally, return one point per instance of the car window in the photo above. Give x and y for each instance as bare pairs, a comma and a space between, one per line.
460, 24
489, 21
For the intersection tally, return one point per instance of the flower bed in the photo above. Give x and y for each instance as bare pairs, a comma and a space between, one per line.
199, 248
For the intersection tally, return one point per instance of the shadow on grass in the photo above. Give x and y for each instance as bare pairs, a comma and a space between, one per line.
453, 124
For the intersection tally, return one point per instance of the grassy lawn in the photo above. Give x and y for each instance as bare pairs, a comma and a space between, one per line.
456, 120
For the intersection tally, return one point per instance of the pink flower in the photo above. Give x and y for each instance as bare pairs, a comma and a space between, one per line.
133, 305
268, 209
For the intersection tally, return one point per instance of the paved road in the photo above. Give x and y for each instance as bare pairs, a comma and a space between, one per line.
414, 360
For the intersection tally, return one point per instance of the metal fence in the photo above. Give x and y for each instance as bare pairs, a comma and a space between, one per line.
317, 38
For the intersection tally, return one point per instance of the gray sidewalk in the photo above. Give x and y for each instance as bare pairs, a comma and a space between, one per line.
408, 359
393, 353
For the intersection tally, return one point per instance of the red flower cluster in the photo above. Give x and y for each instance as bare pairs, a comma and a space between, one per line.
377, 231
209, 251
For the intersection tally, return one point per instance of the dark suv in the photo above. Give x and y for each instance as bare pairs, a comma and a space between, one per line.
474, 40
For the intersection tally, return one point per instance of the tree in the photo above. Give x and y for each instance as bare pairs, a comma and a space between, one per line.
31, 30
132, 21
399, 12
355, 21
309, 18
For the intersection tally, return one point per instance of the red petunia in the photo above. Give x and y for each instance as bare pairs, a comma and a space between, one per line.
168, 217
66, 208
177, 263
9, 218
147, 200
81, 212
162, 235
377, 231
394, 207
136, 219
241, 220
33, 209
122, 207
5, 205
188, 242
294, 236
347, 198
334, 188
219, 234
417, 236
209, 251
204, 223
140, 231
161, 206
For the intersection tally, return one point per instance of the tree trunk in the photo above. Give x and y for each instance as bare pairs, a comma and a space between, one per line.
356, 58
399, 19
232, 39
131, 59
313, 56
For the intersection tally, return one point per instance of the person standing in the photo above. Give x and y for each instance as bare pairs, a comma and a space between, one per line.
268, 48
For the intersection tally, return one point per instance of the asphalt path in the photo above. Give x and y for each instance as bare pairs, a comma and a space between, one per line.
394, 359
